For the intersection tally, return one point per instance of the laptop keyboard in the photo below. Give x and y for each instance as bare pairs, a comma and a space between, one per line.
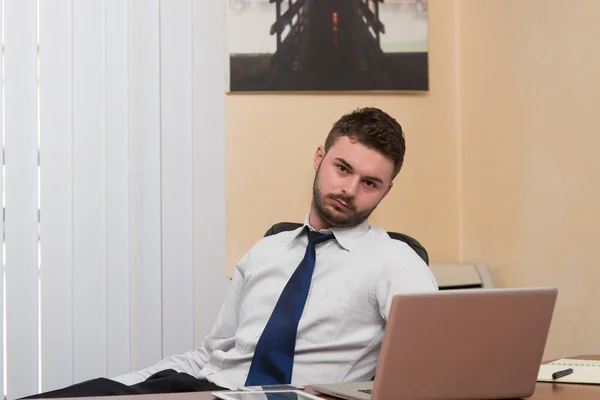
367, 391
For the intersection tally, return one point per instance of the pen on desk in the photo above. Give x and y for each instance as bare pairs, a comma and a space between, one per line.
560, 374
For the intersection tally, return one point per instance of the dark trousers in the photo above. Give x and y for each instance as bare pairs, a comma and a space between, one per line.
167, 381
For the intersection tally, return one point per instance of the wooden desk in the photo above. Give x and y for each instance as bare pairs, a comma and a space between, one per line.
543, 391
558, 391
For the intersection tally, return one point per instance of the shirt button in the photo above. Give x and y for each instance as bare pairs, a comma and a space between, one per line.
210, 369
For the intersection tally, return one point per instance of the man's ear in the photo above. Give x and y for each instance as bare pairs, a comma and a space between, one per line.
388, 190
319, 154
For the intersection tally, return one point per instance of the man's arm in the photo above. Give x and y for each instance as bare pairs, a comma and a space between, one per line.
222, 337
411, 276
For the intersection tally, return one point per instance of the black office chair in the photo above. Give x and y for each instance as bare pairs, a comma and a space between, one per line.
412, 242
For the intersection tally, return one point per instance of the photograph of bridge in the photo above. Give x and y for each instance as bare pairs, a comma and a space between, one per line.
327, 45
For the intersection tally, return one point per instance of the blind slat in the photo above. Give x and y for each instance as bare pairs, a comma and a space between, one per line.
209, 162
56, 206
177, 176
1, 197
117, 174
89, 189
20, 60
145, 212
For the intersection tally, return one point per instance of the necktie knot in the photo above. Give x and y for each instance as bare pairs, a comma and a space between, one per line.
315, 238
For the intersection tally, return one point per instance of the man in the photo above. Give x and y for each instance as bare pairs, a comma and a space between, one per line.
309, 312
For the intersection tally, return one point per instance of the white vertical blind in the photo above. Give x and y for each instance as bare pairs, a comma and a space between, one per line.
145, 190
177, 177
56, 194
89, 188
131, 118
209, 160
20, 46
2, 199
117, 189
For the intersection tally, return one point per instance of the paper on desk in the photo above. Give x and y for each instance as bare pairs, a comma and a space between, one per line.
584, 371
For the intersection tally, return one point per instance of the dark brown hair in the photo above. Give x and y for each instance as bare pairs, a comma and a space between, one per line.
374, 129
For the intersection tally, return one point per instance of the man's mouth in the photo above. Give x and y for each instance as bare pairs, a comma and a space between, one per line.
342, 203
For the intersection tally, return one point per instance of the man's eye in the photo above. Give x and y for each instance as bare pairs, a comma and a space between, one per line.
342, 168
370, 183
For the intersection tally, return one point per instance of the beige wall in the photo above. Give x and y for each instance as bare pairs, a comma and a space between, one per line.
529, 112
501, 162
271, 140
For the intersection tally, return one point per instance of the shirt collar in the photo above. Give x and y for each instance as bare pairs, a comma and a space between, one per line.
347, 237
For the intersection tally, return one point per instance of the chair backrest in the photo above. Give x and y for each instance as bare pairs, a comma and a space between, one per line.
412, 242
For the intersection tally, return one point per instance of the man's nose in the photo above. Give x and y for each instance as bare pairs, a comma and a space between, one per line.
350, 187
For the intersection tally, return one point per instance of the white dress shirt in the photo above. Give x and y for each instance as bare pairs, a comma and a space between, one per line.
341, 328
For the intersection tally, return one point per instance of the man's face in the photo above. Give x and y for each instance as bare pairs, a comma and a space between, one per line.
350, 181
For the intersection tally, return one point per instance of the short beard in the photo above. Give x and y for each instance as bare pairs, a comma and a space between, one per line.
337, 220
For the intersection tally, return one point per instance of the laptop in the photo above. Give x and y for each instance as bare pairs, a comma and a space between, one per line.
459, 344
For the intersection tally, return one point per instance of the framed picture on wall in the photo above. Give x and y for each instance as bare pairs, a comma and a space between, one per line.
327, 45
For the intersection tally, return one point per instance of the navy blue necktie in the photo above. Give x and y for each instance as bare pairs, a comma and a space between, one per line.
274, 354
